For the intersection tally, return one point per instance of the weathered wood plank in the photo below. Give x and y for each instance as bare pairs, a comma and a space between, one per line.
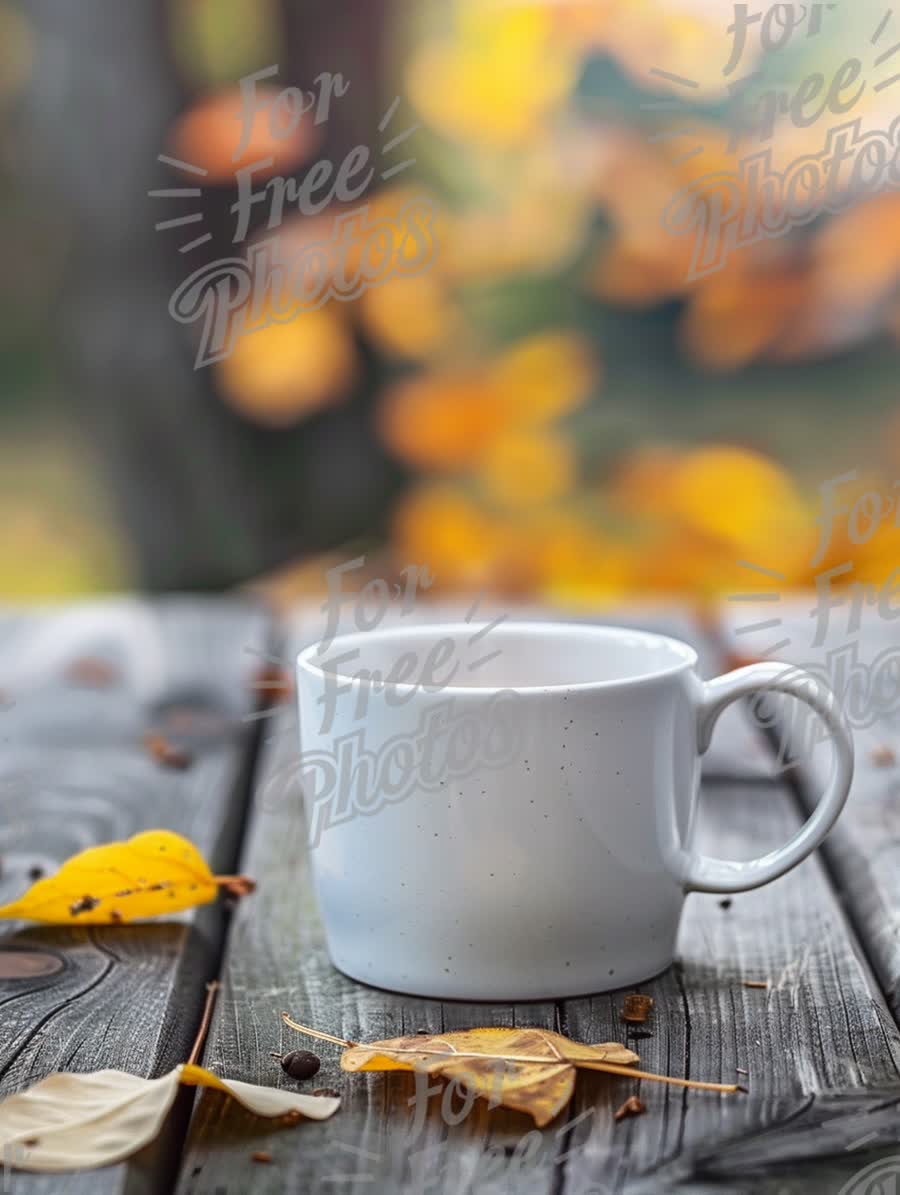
74, 773
863, 851
276, 960
822, 1027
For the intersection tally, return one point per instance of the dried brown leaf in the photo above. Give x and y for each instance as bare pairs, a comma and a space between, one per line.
529, 1070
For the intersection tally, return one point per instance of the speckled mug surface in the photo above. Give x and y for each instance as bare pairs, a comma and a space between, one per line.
510, 816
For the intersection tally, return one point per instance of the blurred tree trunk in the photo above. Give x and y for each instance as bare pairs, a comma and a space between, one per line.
206, 498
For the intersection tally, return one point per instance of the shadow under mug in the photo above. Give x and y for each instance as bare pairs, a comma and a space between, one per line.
512, 816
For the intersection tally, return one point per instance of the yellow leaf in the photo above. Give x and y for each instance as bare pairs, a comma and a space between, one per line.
548, 375
496, 80
411, 317
150, 875
443, 422
528, 468
440, 524
742, 500
529, 1070
281, 373
79, 1122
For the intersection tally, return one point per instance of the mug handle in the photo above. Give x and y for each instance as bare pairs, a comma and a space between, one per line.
702, 873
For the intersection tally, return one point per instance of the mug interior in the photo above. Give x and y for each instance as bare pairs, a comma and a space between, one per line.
510, 655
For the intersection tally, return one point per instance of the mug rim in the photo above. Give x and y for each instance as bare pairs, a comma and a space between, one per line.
687, 661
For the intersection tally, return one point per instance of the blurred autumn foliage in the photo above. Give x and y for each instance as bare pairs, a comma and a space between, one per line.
579, 420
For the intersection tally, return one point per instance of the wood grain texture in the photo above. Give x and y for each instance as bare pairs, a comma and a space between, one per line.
820, 1036
74, 772
863, 851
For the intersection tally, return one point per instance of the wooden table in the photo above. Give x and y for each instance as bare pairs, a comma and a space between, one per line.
819, 1049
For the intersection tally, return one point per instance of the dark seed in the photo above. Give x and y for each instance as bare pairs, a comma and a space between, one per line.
636, 1008
35, 873
726, 903
301, 1064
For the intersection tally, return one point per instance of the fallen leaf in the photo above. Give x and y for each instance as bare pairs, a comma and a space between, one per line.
150, 875
90, 1120
631, 1107
529, 1070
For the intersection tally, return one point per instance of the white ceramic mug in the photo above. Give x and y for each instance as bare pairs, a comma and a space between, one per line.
510, 817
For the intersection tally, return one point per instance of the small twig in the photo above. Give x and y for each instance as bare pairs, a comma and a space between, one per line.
212, 990
335, 1041
632, 1107
694, 1084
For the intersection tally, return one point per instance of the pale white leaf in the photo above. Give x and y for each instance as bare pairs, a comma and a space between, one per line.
81, 1121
